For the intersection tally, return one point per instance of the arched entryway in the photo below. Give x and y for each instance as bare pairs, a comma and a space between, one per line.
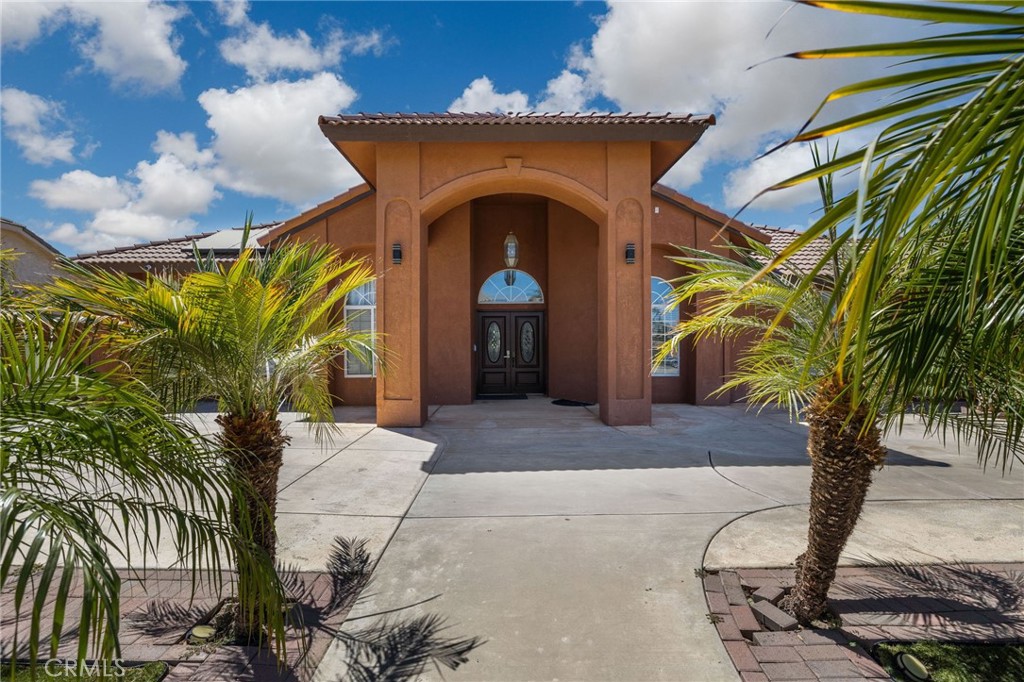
528, 329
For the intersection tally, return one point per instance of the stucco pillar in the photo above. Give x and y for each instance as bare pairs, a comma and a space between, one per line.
624, 350
402, 288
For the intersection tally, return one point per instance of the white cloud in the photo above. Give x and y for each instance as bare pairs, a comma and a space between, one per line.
184, 147
132, 43
172, 189
567, 92
694, 57
480, 96
264, 53
129, 226
80, 190
24, 22
156, 199
267, 141
233, 12
743, 183
29, 121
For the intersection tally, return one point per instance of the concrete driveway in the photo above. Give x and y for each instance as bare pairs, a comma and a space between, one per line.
569, 547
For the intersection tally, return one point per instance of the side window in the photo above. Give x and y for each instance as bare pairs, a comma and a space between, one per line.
663, 320
361, 314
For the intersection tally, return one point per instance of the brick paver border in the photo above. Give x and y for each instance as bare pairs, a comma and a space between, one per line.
977, 603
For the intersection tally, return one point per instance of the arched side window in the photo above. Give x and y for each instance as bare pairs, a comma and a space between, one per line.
663, 321
361, 315
510, 286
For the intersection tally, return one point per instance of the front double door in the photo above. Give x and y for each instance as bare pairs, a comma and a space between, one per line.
510, 353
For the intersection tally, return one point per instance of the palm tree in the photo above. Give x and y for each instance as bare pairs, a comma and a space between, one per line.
257, 334
91, 472
843, 442
941, 195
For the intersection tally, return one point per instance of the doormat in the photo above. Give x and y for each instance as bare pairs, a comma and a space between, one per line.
503, 396
570, 403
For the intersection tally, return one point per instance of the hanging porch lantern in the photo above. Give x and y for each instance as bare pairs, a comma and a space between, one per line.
511, 251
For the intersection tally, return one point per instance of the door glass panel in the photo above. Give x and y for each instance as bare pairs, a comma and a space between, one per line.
527, 341
493, 342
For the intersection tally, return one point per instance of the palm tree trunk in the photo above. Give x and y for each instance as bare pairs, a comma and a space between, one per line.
843, 454
254, 443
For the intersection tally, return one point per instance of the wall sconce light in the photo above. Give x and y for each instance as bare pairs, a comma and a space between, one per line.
396, 253
630, 253
511, 251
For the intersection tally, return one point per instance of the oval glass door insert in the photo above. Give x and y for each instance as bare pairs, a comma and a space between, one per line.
527, 342
493, 342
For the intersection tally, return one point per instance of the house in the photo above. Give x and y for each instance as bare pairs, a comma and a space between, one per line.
34, 259
516, 254
175, 255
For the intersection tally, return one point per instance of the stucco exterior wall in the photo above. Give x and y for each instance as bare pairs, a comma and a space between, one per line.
450, 303
572, 304
34, 264
585, 162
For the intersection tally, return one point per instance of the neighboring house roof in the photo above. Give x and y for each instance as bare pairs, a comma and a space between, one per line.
806, 258
176, 251
6, 224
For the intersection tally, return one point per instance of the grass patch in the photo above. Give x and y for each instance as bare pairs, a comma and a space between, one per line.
150, 672
959, 662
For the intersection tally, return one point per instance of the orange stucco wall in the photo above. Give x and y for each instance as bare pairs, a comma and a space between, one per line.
449, 302
572, 304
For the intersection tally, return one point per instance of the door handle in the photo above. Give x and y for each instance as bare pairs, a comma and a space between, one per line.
508, 355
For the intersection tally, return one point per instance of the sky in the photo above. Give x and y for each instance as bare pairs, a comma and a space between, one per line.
127, 122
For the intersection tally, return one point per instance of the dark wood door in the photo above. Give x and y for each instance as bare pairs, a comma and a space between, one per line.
510, 353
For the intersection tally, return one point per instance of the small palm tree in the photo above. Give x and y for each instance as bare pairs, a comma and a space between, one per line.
259, 333
93, 473
783, 366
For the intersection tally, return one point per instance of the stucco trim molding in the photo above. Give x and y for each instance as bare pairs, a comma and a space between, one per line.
500, 181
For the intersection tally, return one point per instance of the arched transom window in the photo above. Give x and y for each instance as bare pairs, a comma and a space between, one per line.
664, 319
510, 286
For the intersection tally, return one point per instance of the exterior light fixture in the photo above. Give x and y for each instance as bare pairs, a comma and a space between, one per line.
912, 668
396, 253
511, 249
630, 253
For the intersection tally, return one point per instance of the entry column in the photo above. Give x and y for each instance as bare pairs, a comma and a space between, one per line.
402, 287
624, 378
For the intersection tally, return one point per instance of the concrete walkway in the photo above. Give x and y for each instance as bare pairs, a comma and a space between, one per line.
569, 547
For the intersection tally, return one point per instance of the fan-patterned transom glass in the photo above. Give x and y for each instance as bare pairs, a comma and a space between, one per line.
510, 286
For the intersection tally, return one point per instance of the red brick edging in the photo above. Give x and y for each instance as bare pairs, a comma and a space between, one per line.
963, 603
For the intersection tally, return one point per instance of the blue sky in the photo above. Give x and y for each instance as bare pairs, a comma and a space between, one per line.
127, 122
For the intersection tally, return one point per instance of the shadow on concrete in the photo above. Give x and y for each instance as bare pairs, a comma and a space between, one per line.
392, 647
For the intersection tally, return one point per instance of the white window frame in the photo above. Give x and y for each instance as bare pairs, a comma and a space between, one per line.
663, 305
363, 308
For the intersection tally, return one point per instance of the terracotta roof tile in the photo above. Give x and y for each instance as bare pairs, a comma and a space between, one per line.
806, 258
175, 251
532, 118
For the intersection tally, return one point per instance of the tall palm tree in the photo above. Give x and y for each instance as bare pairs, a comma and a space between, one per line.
941, 194
92, 474
843, 443
259, 333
